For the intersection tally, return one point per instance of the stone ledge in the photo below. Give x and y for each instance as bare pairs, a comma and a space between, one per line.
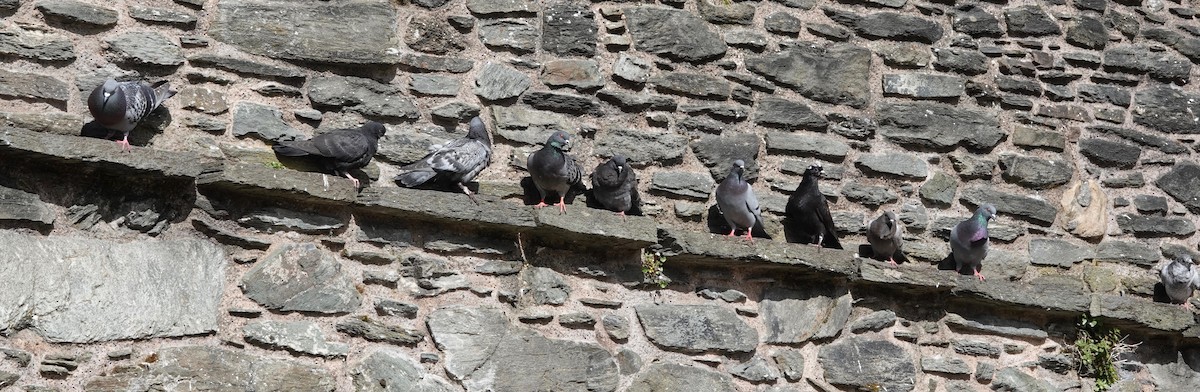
707, 248
48, 148
261, 180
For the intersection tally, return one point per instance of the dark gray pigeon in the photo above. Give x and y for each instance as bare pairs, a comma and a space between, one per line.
884, 236
553, 170
120, 106
456, 162
614, 185
1179, 278
969, 240
808, 212
736, 200
338, 151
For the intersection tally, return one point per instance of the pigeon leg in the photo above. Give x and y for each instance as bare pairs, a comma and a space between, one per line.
541, 203
562, 204
468, 192
124, 144
352, 179
748, 236
1187, 304
623, 216
978, 275
731, 232
892, 261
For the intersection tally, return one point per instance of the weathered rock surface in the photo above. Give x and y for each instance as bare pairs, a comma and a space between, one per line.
219, 369
33, 86
481, 345
299, 336
860, 362
393, 371
72, 11
362, 95
641, 146
674, 34
315, 32
300, 278
568, 30
262, 121
836, 74
36, 45
938, 126
24, 208
1183, 184
496, 82
672, 377
697, 328
81, 290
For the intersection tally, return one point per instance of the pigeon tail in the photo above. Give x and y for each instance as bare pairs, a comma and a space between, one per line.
290, 150
416, 176
162, 91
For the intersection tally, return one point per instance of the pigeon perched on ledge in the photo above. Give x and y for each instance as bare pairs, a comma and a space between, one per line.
553, 170
456, 162
736, 200
969, 240
884, 236
614, 185
120, 106
1179, 278
338, 151
808, 212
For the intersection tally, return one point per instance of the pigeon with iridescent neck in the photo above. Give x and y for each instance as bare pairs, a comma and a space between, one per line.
120, 106
969, 240
884, 236
1179, 278
736, 200
553, 170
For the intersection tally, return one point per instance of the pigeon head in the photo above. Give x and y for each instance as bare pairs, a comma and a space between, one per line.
738, 169
107, 103
560, 140
891, 218
374, 129
476, 130
985, 213
619, 161
814, 170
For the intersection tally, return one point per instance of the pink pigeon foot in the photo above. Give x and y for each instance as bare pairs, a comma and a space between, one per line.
979, 275
540, 204
562, 205
892, 261
124, 144
749, 237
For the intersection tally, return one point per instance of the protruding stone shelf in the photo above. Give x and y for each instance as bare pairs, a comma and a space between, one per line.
263, 180
98, 154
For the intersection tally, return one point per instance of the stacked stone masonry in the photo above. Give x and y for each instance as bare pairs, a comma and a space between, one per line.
200, 261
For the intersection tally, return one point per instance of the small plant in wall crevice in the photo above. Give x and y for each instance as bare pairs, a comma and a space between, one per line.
652, 269
1099, 349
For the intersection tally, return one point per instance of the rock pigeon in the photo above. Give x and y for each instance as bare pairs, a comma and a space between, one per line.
1179, 278
736, 200
969, 240
339, 150
614, 185
456, 162
884, 236
554, 171
120, 106
808, 211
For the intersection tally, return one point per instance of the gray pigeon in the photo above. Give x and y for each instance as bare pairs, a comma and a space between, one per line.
1179, 278
736, 200
614, 185
338, 151
884, 236
553, 170
456, 162
969, 240
808, 212
120, 106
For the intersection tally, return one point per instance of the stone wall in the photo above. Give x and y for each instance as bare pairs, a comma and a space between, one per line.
198, 261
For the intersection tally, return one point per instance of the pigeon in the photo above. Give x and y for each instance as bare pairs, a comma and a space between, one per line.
456, 162
339, 150
969, 240
808, 211
554, 170
614, 185
736, 200
120, 106
1179, 278
884, 236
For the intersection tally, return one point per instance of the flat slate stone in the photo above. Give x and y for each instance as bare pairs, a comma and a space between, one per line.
859, 362
1107, 153
961, 60
1030, 20
673, 377
1155, 226
995, 325
888, 25
33, 86
24, 208
390, 367
1013, 379
899, 165
675, 34
360, 32
434, 85
497, 81
940, 364
221, 369
561, 102
516, 35
1087, 32
569, 29
298, 336
822, 147
641, 146
73, 11
362, 95
1182, 183
683, 183
717, 153
938, 126
1127, 252
35, 44
697, 328
246, 66
425, 63
1048, 251
299, 277
923, 85
261, 121
718, 12
836, 74
481, 345
490, 7
145, 48
433, 34
1167, 109
1028, 208
693, 85
975, 21
376, 331
780, 305
1167, 145
577, 74
528, 126
785, 114
1144, 59
1033, 172
163, 16
150, 288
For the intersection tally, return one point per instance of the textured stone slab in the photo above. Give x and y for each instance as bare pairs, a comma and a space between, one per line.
169, 16
376, 331
259, 179
300, 278
145, 48
826, 315
34, 44
99, 154
673, 377
888, 25
675, 34
515, 35
995, 325
569, 29
923, 85
1034, 172
262, 121
705, 248
55, 122
641, 146
1183, 184
359, 32
577, 74
898, 165
24, 208
481, 346
1029, 208
33, 86
529, 126
72, 11
426, 63
859, 362
685, 184
807, 145
490, 7
498, 81
781, 113
1048, 251
389, 367
938, 126
362, 95
446, 207
835, 74
1155, 226
298, 336
1167, 109
697, 328
247, 67
219, 369
82, 290
594, 227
